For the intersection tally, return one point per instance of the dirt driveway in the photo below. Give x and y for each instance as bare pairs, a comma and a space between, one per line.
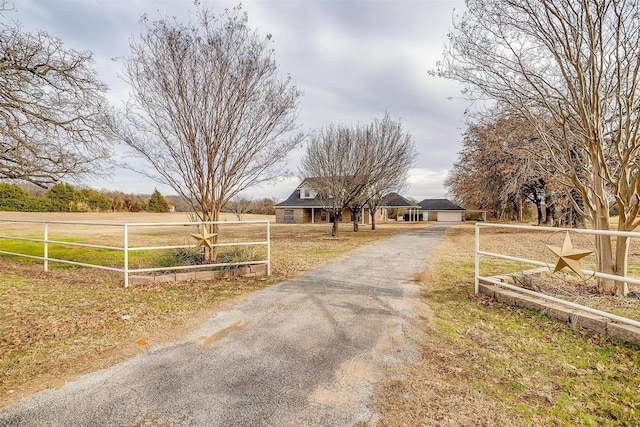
308, 351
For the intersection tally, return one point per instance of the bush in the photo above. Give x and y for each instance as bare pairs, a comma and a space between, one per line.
181, 257
12, 197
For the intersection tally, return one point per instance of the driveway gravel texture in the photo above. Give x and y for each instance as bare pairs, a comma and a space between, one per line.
305, 352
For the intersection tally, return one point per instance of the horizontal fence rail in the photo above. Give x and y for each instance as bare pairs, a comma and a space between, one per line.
126, 249
479, 253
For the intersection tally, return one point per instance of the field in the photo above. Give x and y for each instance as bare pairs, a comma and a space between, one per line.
58, 325
483, 363
107, 230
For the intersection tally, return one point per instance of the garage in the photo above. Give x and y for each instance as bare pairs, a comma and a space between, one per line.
441, 210
449, 216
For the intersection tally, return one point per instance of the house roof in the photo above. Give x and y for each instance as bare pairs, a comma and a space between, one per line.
394, 200
391, 200
294, 200
439, 205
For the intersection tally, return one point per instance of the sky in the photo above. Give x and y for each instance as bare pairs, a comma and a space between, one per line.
354, 60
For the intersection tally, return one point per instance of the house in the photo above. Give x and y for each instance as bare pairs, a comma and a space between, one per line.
441, 210
400, 208
306, 206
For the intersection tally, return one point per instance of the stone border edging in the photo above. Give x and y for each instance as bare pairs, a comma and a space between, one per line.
241, 271
583, 319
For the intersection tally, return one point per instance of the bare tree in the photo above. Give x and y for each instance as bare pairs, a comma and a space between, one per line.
332, 160
52, 106
209, 112
394, 153
239, 206
351, 165
572, 69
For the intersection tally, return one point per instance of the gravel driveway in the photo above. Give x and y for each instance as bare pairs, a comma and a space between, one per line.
308, 351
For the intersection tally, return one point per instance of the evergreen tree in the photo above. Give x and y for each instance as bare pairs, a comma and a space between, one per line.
94, 200
12, 197
62, 197
157, 203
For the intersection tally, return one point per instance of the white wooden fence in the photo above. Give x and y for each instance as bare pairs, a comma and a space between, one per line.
480, 253
125, 248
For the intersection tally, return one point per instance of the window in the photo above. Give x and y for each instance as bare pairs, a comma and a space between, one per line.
288, 215
307, 193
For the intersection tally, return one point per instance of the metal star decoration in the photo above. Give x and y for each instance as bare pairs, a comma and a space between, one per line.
568, 257
204, 238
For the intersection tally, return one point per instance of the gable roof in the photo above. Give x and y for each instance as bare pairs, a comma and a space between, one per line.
394, 200
295, 201
439, 205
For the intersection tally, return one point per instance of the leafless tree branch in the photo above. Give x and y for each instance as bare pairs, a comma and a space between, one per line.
209, 112
55, 118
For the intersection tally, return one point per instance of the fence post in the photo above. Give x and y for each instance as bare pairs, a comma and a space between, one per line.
46, 246
477, 259
268, 248
126, 256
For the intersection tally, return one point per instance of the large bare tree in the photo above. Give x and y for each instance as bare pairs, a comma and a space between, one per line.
52, 107
572, 68
394, 153
331, 160
353, 164
209, 111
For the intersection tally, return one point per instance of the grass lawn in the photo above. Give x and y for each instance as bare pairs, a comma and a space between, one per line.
69, 321
485, 363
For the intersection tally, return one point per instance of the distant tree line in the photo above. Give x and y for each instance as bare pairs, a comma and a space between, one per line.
240, 206
63, 197
499, 170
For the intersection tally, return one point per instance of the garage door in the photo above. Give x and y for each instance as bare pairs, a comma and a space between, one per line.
450, 216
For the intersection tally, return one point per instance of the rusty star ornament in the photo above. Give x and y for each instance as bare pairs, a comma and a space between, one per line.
568, 256
204, 238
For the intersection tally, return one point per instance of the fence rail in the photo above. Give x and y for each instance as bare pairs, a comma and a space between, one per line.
479, 253
126, 249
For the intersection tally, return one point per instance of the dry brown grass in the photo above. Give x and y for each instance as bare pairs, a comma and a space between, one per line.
69, 321
482, 363
488, 364
563, 284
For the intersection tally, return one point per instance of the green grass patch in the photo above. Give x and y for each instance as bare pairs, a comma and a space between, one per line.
555, 375
58, 325
136, 258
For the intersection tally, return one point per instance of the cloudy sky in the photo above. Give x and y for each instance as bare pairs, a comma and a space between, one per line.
353, 59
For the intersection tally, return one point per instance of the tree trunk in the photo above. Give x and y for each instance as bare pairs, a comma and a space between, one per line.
550, 211
604, 250
373, 220
539, 209
334, 228
622, 257
210, 255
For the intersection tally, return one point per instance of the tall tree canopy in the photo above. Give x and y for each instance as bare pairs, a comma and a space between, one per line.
209, 112
52, 107
351, 165
500, 167
572, 69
